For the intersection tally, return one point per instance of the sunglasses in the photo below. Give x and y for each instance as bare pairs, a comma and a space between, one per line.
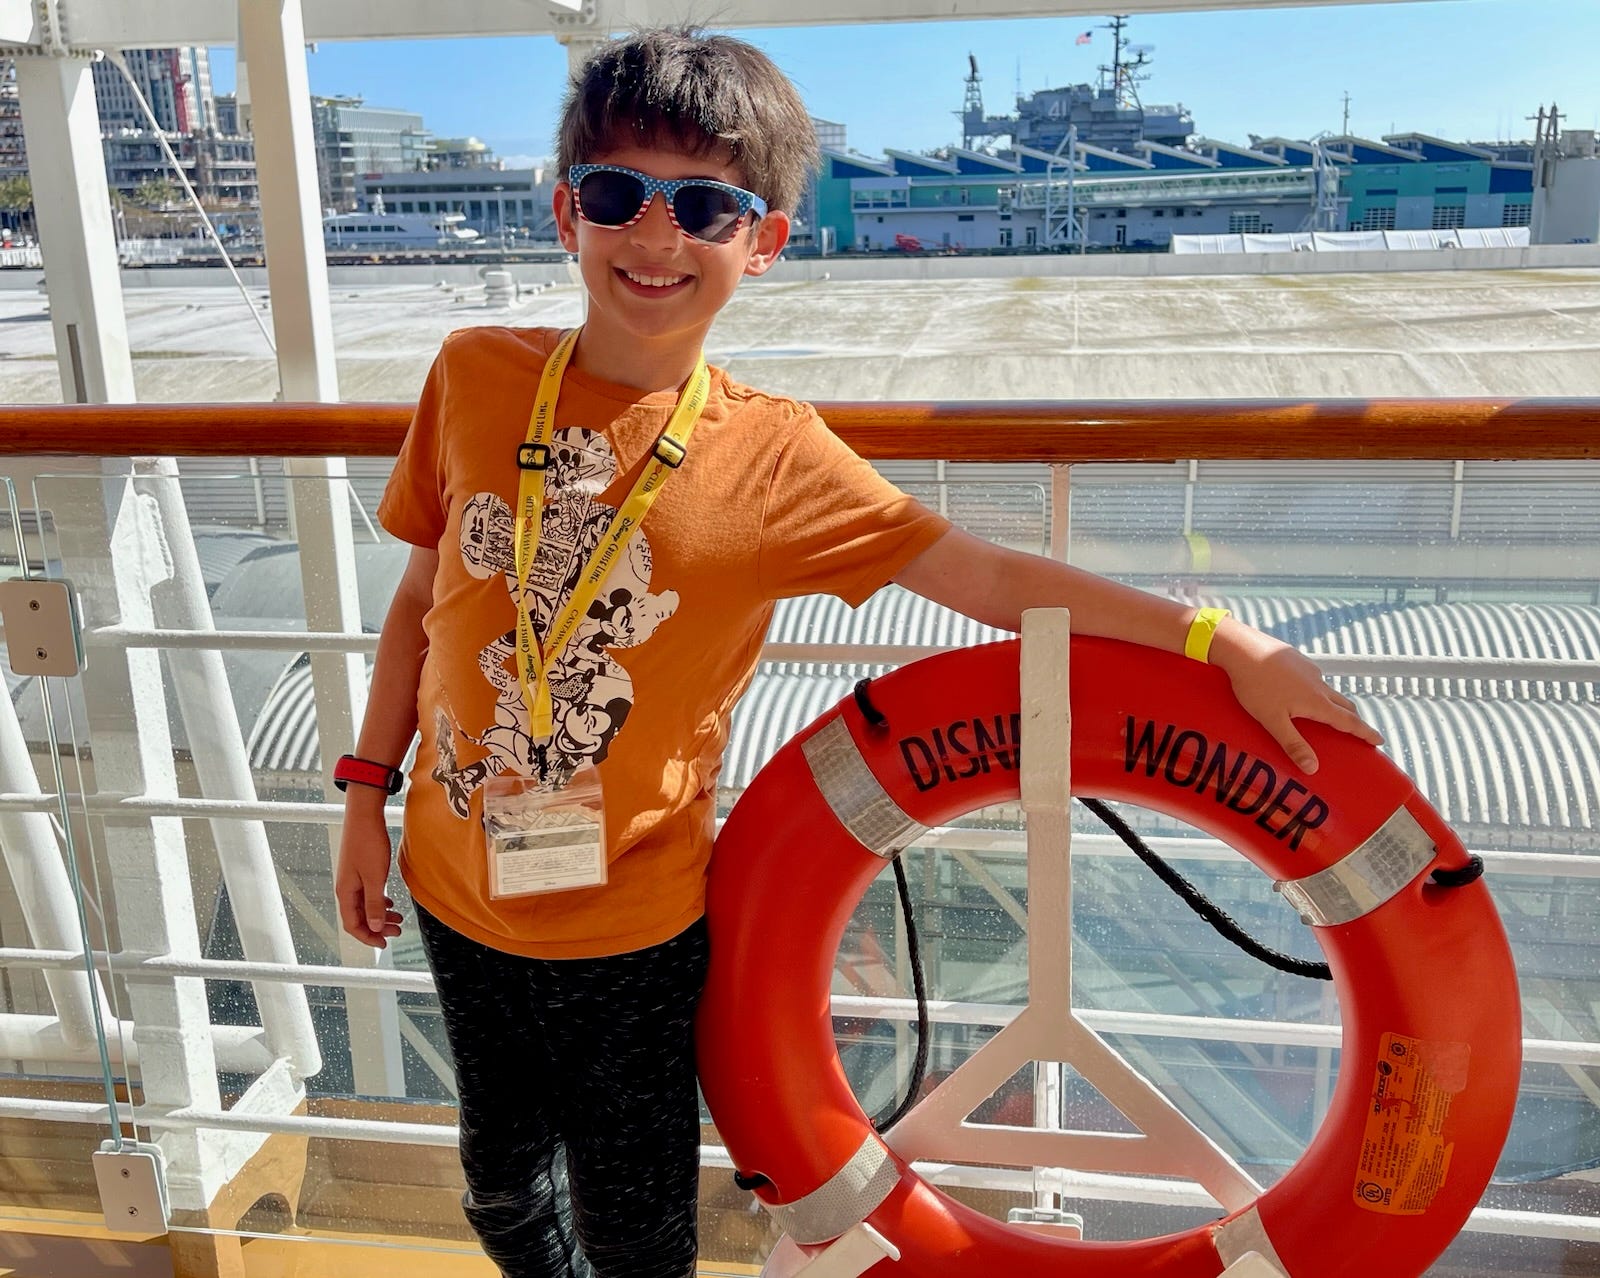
610, 196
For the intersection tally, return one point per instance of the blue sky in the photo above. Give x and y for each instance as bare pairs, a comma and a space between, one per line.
1466, 69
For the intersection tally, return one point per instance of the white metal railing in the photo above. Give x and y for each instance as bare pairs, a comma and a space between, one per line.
1164, 187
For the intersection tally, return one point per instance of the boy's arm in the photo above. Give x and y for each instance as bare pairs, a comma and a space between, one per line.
365, 911
1273, 682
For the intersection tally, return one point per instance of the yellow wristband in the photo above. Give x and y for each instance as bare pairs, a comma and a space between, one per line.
1201, 631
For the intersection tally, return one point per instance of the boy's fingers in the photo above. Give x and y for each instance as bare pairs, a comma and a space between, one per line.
1351, 721
1339, 699
1294, 745
361, 915
376, 903
350, 911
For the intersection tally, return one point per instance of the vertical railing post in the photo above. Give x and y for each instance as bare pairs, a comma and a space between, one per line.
272, 36
1061, 511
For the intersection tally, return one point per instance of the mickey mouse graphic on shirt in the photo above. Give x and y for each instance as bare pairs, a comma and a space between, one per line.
590, 693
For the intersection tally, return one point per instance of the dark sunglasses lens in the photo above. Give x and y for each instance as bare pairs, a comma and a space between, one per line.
706, 212
608, 198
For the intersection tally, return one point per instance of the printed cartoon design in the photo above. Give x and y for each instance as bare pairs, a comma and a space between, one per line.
591, 694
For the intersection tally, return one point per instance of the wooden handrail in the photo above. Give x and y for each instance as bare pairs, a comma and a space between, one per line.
1114, 430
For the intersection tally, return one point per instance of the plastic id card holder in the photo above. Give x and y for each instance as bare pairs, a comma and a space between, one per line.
544, 840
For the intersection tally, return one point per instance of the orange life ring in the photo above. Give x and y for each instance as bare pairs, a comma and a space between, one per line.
1423, 973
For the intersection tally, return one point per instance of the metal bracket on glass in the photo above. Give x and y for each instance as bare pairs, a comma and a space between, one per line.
132, 1179
1052, 1221
44, 631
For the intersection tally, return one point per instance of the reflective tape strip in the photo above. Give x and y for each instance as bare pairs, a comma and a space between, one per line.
1237, 1238
1374, 873
862, 805
844, 1200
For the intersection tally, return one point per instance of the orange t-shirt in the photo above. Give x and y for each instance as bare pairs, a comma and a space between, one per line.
768, 504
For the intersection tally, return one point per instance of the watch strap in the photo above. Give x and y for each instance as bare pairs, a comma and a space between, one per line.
380, 776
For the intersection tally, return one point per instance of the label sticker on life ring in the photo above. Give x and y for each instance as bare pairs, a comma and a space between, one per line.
1405, 1155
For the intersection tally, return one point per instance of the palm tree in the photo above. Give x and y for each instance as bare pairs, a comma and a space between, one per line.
16, 201
156, 193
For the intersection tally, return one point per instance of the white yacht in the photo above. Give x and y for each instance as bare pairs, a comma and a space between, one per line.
398, 230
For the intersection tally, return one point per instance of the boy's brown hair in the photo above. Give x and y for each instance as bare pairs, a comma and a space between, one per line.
705, 94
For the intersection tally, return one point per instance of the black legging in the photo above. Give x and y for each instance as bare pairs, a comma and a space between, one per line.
593, 1057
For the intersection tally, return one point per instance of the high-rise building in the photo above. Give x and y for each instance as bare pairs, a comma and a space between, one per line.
175, 82
354, 139
13, 150
228, 115
830, 134
460, 153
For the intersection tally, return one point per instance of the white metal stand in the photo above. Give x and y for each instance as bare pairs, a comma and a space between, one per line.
849, 1255
1253, 1265
1046, 1031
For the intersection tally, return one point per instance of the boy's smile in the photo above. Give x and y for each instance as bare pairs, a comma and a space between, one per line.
653, 289
652, 285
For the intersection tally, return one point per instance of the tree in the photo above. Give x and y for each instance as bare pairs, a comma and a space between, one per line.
156, 193
16, 201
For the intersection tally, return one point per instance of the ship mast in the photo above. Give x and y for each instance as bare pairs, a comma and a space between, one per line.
972, 106
1123, 75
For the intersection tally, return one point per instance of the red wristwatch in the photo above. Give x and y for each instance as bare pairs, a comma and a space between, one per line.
365, 772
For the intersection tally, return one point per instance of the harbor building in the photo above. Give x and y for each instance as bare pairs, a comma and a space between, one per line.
460, 153
1024, 198
353, 139
1087, 166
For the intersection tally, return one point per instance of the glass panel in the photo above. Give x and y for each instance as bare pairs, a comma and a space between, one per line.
59, 1087
1406, 567
276, 1102
280, 1102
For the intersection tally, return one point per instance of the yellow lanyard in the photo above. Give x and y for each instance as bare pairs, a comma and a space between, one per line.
533, 459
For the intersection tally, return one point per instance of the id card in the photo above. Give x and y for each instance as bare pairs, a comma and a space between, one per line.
541, 840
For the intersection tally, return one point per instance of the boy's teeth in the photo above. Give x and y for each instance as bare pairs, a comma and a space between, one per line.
654, 281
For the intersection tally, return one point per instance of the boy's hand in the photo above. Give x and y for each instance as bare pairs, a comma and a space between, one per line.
358, 885
1277, 684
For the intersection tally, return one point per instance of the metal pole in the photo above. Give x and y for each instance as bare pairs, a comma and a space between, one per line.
72, 206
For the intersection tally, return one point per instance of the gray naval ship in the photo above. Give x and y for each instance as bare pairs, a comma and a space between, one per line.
1108, 114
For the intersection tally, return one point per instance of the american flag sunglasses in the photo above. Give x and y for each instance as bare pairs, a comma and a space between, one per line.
611, 196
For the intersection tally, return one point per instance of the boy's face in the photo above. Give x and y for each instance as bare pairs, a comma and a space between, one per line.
650, 282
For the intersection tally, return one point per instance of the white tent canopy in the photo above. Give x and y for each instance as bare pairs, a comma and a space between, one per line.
1470, 237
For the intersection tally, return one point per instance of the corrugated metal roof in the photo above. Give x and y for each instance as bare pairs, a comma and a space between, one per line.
1516, 765
1485, 631
893, 615
284, 736
1494, 756
220, 551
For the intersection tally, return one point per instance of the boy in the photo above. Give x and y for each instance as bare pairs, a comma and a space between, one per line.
533, 637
